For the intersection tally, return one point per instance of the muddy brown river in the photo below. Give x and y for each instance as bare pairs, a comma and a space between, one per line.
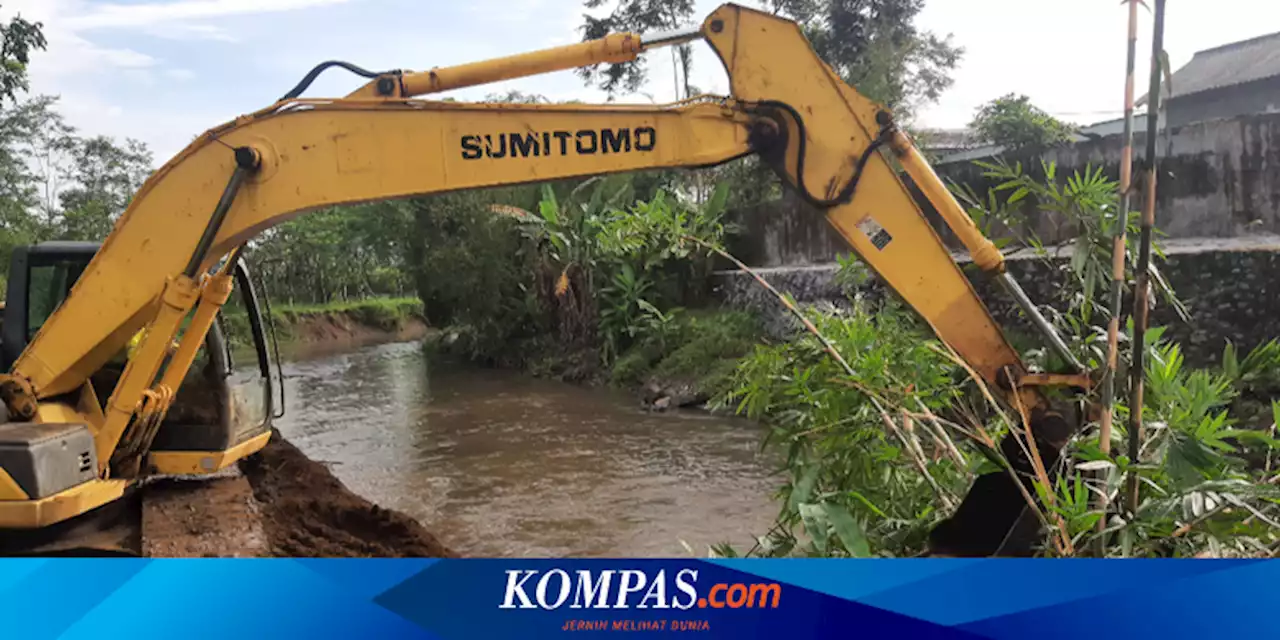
499, 464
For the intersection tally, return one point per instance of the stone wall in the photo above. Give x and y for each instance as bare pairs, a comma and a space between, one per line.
785, 232
1232, 292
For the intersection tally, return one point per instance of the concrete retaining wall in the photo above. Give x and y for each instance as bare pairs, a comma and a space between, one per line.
1232, 292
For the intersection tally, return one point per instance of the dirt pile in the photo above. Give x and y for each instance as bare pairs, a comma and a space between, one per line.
202, 517
307, 512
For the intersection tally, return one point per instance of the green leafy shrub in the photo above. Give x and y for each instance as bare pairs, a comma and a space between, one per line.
706, 347
472, 269
849, 486
700, 348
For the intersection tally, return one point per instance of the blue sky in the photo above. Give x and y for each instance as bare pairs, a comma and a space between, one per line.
163, 71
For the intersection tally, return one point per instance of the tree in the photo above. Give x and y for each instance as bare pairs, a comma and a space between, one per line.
637, 16
515, 96
102, 178
18, 40
875, 46
32, 138
1014, 123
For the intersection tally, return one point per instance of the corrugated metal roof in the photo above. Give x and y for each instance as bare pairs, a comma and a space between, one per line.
1096, 130
1227, 65
949, 138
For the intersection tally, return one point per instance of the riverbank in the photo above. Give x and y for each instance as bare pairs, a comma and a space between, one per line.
307, 512
683, 364
277, 503
335, 326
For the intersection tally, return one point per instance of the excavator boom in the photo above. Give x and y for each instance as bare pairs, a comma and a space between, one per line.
383, 141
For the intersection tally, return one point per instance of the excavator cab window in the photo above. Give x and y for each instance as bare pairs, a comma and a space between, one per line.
39, 279
48, 285
251, 389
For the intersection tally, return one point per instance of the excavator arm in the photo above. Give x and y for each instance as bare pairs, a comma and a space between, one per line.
384, 141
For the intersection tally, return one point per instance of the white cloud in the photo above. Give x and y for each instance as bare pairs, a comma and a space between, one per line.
179, 74
182, 31
139, 77
124, 58
141, 15
69, 53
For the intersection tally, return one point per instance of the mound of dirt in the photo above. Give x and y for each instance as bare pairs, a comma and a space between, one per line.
307, 512
202, 517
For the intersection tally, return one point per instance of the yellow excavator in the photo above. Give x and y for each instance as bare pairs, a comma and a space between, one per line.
84, 428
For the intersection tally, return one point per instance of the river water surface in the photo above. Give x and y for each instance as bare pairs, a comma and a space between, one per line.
497, 463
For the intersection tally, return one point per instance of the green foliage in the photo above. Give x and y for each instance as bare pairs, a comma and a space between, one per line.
875, 459
99, 183
23, 219
703, 339
852, 275
515, 96
751, 182
18, 40
1259, 369
853, 486
1203, 487
55, 184
849, 485
1195, 447
658, 252
335, 254
636, 16
875, 46
705, 349
571, 267
383, 313
1088, 201
1013, 122
631, 368
472, 270
700, 348
620, 317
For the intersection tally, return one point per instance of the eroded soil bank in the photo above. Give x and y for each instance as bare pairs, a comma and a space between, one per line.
337, 332
307, 512
278, 503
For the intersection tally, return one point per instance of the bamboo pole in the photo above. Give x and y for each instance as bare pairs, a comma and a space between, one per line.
1142, 289
1117, 262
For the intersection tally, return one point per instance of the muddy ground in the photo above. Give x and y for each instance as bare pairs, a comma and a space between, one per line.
277, 503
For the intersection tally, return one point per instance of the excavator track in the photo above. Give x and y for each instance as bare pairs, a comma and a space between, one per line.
112, 530
166, 516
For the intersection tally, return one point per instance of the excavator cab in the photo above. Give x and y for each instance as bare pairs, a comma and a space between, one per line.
218, 407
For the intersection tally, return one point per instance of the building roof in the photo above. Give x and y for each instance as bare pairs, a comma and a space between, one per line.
1227, 65
1096, 130
949, 139
1111, 127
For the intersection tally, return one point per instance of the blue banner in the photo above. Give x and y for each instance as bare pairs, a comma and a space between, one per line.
470, 599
